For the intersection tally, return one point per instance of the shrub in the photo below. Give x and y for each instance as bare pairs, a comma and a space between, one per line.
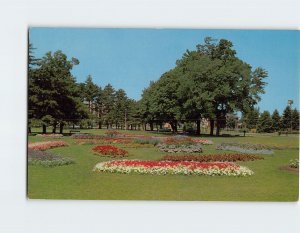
294, 163
47, 159
212, 157
245, 148
110, 151
45, 145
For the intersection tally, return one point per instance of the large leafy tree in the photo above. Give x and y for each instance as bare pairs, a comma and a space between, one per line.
53, 93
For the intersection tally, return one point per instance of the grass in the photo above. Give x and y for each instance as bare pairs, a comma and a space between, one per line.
78, 181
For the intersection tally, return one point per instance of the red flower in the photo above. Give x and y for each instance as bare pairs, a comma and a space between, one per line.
110, 150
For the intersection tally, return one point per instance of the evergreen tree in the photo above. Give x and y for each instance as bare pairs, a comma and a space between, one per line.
265, 123
287, 118
251, 118
276, 120
295, 119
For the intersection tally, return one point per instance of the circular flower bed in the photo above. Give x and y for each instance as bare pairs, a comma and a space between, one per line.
111, 151
173, 168
47, 159
53, 135
246, 148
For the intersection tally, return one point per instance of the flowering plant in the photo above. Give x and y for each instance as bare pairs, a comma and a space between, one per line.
294, 163
212, 157
47, 159
172, 168
169, 148
110, 150
111, 133
45, 145
245, 148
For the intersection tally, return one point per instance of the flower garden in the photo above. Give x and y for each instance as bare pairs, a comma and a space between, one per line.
117, 165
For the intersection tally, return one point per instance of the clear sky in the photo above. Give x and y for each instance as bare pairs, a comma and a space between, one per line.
131, 58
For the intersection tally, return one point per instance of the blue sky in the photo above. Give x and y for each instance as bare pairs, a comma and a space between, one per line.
131, 58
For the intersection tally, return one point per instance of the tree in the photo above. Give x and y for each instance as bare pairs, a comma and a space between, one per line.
251, 118
108, 98
53, 93
90, 93
276, 120
265, 123
295, 119
287, 118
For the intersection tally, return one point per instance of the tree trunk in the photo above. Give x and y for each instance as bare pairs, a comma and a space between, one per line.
73, 126
218, 127
151, 126
174, 126
160, 125
198, 127
44, 129
29, 129
100, 125
61, 128
212, 125
54, 128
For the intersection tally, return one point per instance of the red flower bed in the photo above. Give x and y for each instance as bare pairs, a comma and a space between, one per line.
110, 150
213, 157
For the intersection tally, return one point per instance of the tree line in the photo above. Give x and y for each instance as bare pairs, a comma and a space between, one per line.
56, 99
268, 123
210, 83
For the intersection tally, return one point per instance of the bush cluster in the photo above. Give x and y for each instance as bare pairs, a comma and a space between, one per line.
294, 163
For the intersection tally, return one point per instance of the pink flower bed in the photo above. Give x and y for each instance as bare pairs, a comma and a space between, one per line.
46, 145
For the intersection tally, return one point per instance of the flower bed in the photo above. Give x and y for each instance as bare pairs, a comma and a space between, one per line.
172, 168
50, 135
152, 141
87, 136
212, 157
245, 148
103, 141
45, 145
47, 159
202, 141
197, 148
110, 151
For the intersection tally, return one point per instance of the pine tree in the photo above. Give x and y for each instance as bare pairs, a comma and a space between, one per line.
276, 120
265, 123
287, 118
295, 119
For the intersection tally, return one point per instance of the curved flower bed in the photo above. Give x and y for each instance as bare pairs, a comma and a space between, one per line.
196, 148
202, 141
212, 157
45, 145
172, 168
246, 148
111, 151
47, 159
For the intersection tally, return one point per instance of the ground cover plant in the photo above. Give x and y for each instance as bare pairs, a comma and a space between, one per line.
173, 168
110, 151
212, 157
45, 145
245, 148
47, 159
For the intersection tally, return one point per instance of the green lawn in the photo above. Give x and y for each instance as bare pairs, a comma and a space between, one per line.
78, 181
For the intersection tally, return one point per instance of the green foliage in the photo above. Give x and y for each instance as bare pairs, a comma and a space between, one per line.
276, 120
265, 123
287, 118
251, 118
